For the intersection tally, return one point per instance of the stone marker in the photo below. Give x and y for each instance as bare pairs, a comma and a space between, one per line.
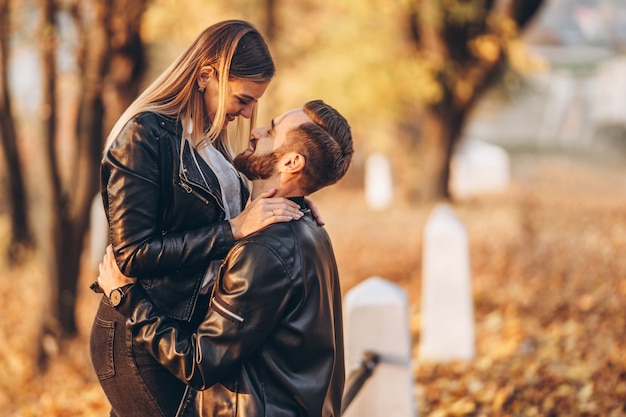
98, 232
478, 167
447, 319
376, 320
378, 182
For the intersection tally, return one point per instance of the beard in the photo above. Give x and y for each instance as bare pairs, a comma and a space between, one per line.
256, 167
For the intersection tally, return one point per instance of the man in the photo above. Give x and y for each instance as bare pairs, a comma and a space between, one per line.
271, 343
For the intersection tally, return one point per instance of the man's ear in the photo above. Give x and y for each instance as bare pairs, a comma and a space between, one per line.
205, 75
292, 163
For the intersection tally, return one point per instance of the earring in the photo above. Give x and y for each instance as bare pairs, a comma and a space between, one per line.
200, 89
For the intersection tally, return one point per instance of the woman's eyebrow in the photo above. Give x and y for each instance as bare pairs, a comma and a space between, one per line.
247, 97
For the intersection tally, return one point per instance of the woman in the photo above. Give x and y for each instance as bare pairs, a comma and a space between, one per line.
175, 204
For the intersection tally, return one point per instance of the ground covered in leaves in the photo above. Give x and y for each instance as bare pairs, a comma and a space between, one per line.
549, 284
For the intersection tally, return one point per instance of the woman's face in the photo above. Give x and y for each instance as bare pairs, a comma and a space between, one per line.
240, 97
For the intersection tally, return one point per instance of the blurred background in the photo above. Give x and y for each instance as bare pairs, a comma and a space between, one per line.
512, 111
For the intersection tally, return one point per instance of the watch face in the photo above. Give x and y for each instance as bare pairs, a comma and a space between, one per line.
116, 297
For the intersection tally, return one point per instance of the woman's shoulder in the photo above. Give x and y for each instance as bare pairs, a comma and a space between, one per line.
144, 130
154, 120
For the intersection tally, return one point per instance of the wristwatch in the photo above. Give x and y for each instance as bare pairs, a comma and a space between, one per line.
117, 295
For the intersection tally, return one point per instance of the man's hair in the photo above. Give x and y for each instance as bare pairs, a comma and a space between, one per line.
326, 145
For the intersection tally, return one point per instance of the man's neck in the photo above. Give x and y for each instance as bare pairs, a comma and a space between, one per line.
282, 190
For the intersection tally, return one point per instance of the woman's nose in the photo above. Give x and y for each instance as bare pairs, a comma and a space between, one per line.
246, 112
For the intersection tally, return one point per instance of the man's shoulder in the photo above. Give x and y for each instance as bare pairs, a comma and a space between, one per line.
275, 236
265, 255
288, 238
281, 239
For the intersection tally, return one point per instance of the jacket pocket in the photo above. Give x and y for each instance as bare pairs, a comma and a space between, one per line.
101, 348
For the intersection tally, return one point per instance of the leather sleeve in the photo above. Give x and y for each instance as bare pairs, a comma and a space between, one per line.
248, 301
131, 169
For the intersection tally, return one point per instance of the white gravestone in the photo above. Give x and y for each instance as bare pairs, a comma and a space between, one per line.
447, 319
98, 232
376, 320
378, 181
478, 167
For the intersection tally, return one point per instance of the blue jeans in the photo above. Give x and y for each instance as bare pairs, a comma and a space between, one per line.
134, 383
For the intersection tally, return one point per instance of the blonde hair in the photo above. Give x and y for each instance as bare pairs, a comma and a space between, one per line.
232, 47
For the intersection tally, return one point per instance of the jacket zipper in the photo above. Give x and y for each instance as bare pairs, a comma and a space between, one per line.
184, 402
185, 182
190, 190
224, 310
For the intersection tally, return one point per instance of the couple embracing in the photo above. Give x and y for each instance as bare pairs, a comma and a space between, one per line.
234, 305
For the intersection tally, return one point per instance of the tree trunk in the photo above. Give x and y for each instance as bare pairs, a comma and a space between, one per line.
114, 62
74, 216
52, 238
21, 236
463, 75
442, 127
111, 66
127, 62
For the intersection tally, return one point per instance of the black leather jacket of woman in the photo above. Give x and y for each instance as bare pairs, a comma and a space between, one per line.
271, 343
166, 223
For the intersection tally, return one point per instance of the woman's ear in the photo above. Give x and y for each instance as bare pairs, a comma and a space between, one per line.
204, 76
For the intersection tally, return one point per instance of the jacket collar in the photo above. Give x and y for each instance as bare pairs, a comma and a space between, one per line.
172, 125
299, 201
192, 161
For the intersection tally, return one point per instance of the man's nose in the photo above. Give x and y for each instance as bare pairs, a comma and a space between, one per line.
257, 132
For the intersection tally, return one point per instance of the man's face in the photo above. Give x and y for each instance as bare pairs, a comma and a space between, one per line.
256, 167
260, 160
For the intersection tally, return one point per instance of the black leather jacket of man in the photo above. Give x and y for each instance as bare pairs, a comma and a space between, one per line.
165, 227
271, 343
